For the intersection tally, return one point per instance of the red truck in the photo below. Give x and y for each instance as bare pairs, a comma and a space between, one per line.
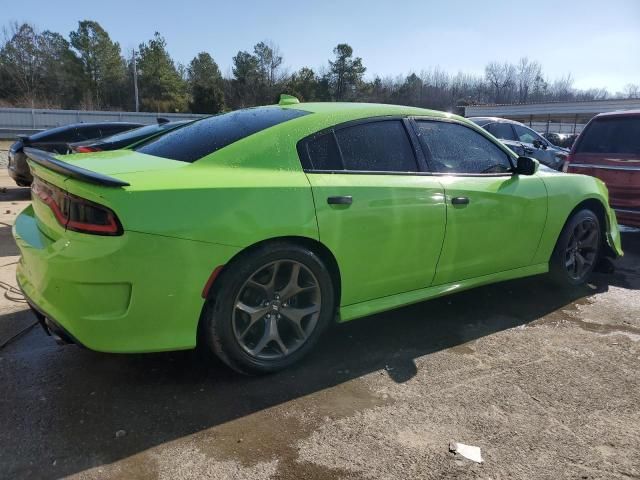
609, 149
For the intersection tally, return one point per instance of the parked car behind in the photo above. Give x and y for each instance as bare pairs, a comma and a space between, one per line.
609, 148
125, 139
523, 140
56, 140
563, 140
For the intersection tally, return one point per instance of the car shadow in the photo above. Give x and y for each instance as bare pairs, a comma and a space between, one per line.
14, 194
64, 404
8, 247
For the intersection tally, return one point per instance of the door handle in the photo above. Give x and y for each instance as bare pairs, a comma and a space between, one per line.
340, 200
460, 201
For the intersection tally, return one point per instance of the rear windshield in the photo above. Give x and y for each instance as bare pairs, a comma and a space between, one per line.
612, 135
203, 137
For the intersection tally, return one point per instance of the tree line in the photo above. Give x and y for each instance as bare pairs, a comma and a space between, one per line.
89, 70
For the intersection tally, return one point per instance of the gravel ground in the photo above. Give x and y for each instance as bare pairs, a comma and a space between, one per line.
4, 149
545, 382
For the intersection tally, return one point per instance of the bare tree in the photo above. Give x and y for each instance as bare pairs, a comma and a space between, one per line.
562, 88
502, 79
632, 90
527, 73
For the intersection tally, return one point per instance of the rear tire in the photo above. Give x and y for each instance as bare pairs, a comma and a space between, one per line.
577, 250
268, 308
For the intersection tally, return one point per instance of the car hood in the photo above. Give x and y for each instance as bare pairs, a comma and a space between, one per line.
120, 161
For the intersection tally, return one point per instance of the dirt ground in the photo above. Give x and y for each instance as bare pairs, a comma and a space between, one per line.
545, 382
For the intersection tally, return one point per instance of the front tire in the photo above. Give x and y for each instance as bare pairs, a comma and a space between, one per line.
577, 249
269, 308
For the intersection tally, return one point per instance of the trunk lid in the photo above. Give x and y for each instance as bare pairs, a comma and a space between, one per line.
97, 172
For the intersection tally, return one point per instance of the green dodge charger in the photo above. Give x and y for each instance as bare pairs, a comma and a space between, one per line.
249, 233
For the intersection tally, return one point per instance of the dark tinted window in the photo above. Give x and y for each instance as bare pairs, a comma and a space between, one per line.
323, 153
135, 133
455, 148
112, 129
66, 133
376, 146
199, 139
88, 132
612, 135
502, 131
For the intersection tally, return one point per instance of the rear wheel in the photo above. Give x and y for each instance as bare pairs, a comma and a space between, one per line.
577, 249
270, 308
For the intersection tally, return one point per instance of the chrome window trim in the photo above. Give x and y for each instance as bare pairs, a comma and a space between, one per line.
605, 167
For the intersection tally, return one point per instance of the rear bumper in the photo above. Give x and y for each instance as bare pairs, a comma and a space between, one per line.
133, 293
51, 327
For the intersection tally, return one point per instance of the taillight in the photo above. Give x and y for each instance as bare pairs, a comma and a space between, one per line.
76, 213
85, 149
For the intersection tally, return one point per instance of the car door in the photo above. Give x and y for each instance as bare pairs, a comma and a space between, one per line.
494, 218
382, 218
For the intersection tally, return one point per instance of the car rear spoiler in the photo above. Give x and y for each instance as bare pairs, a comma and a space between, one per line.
49, 161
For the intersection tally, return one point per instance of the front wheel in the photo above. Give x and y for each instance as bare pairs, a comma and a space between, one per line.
577, 249
271, 307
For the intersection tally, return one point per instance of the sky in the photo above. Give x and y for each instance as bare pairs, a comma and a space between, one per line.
598, 42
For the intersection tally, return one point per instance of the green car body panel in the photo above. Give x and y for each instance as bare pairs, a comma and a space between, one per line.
400, 242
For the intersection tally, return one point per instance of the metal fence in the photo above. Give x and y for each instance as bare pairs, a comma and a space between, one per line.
21, 121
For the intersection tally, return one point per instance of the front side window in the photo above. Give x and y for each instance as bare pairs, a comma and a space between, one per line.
526, 135
379, 146
454, 148
503, 131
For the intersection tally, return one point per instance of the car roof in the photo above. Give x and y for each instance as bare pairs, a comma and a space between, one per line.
620, 113
50, 131
486, 120
363, 110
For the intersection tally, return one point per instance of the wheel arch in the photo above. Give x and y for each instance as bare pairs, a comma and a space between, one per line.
597, 207
317, 247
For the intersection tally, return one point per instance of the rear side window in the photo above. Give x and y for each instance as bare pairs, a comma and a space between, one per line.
502, 131
454, 148
324, 154
379, 146
203, 137
612, 135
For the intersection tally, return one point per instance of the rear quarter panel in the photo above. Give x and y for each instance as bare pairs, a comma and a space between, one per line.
565, 193
236, 196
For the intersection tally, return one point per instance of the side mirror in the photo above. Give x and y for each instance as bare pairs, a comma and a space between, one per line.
527, 166
539, 144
